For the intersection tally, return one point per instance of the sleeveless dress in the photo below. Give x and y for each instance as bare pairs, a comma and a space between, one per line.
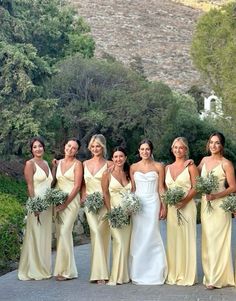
181, 239
147, 254
35, 260
120, 238
99, 229
65, 261
216, 238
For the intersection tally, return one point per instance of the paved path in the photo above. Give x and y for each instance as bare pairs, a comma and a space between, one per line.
80, 289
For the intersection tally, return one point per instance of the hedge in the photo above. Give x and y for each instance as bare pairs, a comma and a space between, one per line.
11, 227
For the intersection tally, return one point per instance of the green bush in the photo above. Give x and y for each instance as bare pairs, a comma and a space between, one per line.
17, 188
11, 225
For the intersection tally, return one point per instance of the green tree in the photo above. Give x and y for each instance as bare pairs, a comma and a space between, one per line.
34, 36
105, 96
214, 51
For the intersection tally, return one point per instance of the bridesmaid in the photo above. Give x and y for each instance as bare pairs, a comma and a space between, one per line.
216, 226
113, 183
69, 177
35, 260
99, 228
181, 239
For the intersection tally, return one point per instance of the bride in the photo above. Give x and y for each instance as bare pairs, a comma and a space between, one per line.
148, 263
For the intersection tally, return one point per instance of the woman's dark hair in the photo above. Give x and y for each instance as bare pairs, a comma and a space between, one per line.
221, 138
74, 139
34, 139
146, 141
126, 165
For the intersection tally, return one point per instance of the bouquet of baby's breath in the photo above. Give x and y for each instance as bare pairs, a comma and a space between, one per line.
117, 217
229, 203
55, 197
94, 202
206, 185
131, 203
36, 204
172, 197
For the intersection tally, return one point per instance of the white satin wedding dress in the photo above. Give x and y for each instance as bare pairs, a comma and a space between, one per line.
148, 264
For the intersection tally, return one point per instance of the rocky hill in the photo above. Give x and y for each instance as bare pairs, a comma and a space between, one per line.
157, 31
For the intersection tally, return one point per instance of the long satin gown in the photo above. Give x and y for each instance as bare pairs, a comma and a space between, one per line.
181, 239
216, 238
65, 260
120, 239
35, 260
99, 229
147, 254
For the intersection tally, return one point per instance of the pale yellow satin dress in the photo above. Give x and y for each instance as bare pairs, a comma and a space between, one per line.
120, 239
99, 229
65, 260
35, 260
181, 239
216, 238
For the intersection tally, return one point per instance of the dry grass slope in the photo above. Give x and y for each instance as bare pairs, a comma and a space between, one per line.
157, 31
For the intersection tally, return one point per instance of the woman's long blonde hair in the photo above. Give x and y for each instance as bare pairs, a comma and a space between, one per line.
101, 140
184, 141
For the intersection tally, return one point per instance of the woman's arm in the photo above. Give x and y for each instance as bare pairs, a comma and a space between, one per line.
192, 192
105, 189
29, 173
199, 168
83, 189
54, 171
78, 176
161, 189
131, 174
230, 177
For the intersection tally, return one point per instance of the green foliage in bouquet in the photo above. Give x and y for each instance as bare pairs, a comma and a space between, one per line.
229, 203
206, 185
131, 203
36, 204
172, 197
117, 217
55, 197
94, 202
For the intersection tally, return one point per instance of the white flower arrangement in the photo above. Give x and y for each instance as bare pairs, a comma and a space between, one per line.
94, 202
117, 217
172, 197
229, 203
55, 197
131, 203
207, 185
36, 204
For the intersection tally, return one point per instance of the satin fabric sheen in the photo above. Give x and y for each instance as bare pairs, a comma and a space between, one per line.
99, 229
216, 238
120, 239
147, 254
35, 260
181, 239
65, 261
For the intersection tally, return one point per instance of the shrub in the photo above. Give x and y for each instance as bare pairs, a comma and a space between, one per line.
11, 225
15, 187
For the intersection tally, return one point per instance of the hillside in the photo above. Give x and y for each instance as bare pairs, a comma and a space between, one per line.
157, 31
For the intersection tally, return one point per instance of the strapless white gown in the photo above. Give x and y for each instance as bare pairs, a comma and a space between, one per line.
148, 264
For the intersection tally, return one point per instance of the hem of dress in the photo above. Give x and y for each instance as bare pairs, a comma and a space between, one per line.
181, 284
142, 283
34, 278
